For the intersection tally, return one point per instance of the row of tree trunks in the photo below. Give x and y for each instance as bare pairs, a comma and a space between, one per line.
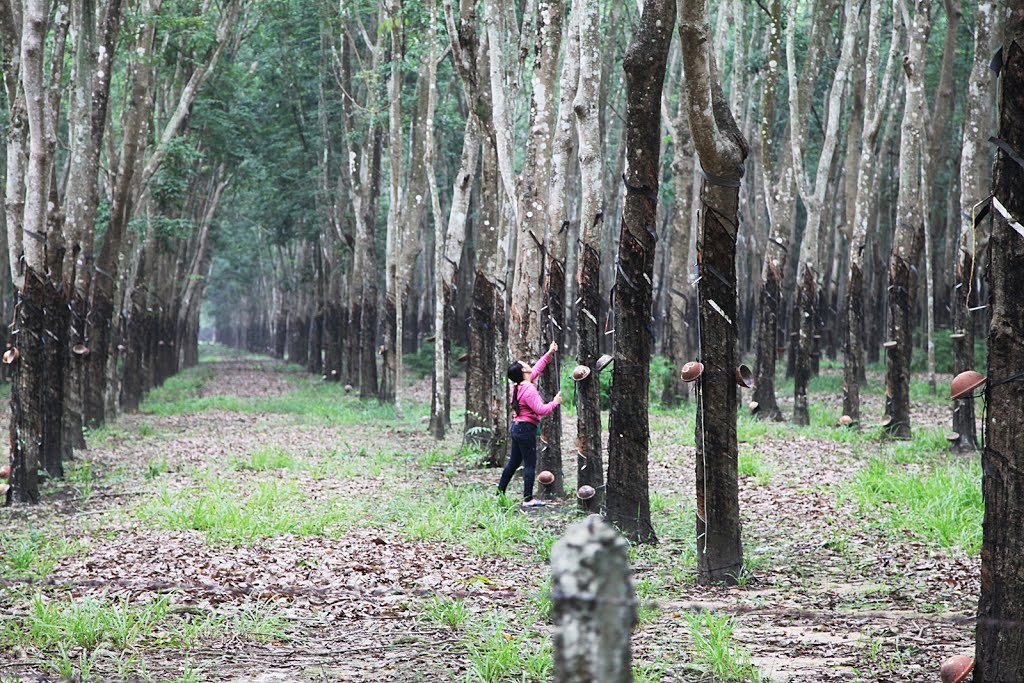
811, 284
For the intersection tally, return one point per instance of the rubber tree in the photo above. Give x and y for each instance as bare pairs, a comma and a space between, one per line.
448, 241
974, 183
589, 454
875, 103
679, 300
780, 202
722, 151
28, 156
525, 331
908, 240
999, 637
549, 456
645, 63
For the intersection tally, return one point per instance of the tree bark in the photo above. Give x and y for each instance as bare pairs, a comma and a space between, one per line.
30, 436
1000, 634
448, 245
589, 453
907, 243
780, 201
679, 301
875, 103
525, 333
390, 350
722, 151
974, 176
549, 456
628, 426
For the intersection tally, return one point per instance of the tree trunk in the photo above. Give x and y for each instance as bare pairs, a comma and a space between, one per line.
722, 151
31, 427
907, 243
525, 331
390, 353
27, 428
974, 174
1000, 635
628, 426
589, 453
679, 272
87, 123
101, 306
875, 102
549, 456
449, 239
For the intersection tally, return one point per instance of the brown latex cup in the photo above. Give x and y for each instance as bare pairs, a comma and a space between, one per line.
956, 668
580, 372
546, 477
11, 355
692, 370
965, 383
5, 472
744, 377
586, 492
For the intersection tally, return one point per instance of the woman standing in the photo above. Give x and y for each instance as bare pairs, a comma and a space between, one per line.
527, 409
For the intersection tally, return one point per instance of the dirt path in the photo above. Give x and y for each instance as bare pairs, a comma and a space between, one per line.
341, 590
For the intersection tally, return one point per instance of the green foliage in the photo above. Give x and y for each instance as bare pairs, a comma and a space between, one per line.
753, 465
944, 353
267, 458
497, 654
662, 370
241, 513
715, 650
311, 401
451, 613
260, 621
85, 623
485, 523
421, 363
33, 554
940, 503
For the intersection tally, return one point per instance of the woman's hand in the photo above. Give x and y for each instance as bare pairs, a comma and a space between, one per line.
558, 398
553, 348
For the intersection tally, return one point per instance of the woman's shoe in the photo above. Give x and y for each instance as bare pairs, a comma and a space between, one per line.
533, 503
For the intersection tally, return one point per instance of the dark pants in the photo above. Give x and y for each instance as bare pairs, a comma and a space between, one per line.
524, 452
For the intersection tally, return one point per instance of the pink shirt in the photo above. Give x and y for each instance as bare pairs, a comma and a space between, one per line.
531, 406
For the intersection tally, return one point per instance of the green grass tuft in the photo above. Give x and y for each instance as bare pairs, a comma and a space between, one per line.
451, 613
84, 623
941, 503
32, 554
473, 516
715, 650
268, 507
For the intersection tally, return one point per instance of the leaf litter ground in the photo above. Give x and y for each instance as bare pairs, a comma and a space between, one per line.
284, 546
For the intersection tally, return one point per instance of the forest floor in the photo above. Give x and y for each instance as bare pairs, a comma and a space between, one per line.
255, 524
